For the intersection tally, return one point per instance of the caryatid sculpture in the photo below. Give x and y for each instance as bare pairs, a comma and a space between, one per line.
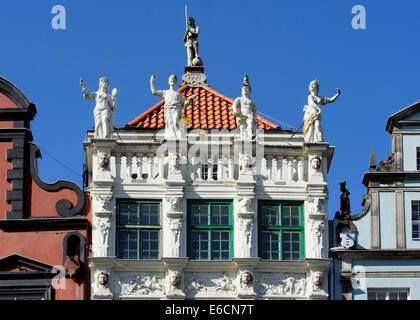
174, 103
104, 109
312, 130
245, 111
191, 43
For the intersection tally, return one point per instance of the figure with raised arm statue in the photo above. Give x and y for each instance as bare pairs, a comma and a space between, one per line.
174, 103
104, 109
245, 111
312, 130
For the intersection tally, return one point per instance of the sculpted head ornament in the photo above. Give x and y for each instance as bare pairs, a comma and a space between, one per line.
246, 278
316, 163
103, 161
317, 279
103, 278
175, 280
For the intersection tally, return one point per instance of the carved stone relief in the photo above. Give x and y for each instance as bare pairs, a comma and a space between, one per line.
175, 226
274, 284
142, 284
215, 284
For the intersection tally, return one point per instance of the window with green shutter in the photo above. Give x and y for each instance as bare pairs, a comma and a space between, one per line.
210, 230
281, 230
138, 229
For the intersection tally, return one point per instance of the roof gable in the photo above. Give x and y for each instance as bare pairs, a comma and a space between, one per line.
409, 116
16, 261
213, 111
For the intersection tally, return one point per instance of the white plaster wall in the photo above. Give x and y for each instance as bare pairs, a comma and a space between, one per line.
387, 220
410, 143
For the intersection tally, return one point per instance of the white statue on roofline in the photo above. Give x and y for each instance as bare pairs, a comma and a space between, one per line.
104, 116
312, 130
174, 103
245, 111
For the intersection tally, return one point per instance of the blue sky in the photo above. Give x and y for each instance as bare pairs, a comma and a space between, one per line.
281, 45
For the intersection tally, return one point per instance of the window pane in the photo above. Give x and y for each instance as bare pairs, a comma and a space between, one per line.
291, 245
149, 213
416, 231
387, 294
149, 244
200, 214
270, 245
199, 244
290, 216
127, 244
128, 214
415, 209
270, 215
371, 295
418, 158
380, 295
219, 214
220, 245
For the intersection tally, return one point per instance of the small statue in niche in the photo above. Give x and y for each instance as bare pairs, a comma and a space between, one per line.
174, 103
245, 279
245, 111
246, 165
175, 280
104, 116
103, 161
312, 130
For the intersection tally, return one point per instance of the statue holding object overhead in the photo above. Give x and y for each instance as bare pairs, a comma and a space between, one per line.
312, 130
174, 103
104, 116
245, 111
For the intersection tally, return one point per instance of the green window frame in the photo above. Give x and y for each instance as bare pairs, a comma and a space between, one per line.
210, 230
138, 229
281, 231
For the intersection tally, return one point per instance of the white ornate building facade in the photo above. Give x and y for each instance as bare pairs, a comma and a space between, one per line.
210, 214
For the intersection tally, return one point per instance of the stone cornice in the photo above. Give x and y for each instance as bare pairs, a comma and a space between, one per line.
377, 254
387, 177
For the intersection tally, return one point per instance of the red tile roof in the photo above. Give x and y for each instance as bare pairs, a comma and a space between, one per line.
213, 111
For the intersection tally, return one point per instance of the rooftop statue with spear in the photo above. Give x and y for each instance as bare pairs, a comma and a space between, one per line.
191, 42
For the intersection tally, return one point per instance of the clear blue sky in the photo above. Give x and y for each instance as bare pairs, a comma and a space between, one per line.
281, 45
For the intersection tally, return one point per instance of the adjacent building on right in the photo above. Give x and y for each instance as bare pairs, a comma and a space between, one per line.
376, 252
